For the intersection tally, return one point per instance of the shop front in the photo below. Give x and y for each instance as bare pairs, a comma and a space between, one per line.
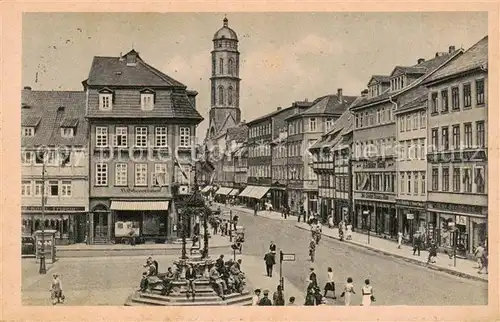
412, 218
278, 195
342, 212
379, 217
461, 227
69, 223
312, 202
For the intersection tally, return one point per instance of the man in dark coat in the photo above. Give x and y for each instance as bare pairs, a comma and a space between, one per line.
269, 260
190, 277
265, 301
313, 280
219, 263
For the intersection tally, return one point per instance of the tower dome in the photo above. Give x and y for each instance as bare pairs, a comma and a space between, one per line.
225, 32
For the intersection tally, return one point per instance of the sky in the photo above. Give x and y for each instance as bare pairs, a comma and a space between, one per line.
285, 57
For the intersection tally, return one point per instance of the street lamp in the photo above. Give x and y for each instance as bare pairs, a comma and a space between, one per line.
366, 213
43, 268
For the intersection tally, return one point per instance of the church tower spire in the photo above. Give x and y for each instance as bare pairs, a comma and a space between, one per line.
225, 82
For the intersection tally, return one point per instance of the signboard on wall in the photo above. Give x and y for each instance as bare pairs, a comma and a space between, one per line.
410, 216
461, 220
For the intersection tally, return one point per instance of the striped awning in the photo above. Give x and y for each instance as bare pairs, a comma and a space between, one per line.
259, 192
223, 191
139, 205
246, 191
234, 192
206, 188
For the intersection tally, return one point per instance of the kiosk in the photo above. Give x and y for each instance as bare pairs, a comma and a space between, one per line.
49, 238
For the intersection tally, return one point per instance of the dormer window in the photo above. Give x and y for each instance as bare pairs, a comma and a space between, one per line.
147, 102
67, 132
28, 131
105, 99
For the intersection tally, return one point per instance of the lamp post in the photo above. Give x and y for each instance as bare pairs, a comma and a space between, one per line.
366, 213
43, 268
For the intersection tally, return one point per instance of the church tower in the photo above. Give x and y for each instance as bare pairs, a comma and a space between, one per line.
225, 82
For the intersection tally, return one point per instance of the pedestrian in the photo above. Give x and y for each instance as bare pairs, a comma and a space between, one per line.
255, 209
256, 297
312, 278
291, 300
269, 260
265, 301
348, 291
484, 262
416, 243
310, 298
400, 239
432, 253
330, 221
330, 284
367, 292
478, 253
219, 263
190, 278
348, 231
278, 297
272, 249
131, 234
56, 290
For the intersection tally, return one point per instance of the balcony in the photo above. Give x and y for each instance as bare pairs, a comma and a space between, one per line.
479, 154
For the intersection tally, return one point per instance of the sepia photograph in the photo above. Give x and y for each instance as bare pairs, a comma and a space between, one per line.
254, 159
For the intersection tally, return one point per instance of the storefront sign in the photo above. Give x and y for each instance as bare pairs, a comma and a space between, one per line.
410, 216
457, 208
410, 203
52, 209
136, 190
461, 220
369, 195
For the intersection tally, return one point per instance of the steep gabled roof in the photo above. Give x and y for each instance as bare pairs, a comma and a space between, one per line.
341, 127
475, 57
50, 109
113, 71
379, 79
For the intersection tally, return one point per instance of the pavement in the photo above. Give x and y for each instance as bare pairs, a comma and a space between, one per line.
84, 250
462, 267
276, 215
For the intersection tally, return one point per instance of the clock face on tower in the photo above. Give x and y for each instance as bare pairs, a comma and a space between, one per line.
225, 82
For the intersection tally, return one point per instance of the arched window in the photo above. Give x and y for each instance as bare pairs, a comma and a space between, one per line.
230, 67
221, 95
230, 96
221, 65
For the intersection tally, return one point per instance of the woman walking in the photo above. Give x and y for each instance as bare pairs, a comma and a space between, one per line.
330, 284
348, 291
367, 292
56, 290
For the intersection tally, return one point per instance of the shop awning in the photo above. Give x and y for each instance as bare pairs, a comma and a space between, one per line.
139, 205
206, 188
259, 192
246, 192
223, 191
234, 192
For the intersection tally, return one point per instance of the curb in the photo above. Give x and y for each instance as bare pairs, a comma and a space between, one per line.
69, 253
406, 259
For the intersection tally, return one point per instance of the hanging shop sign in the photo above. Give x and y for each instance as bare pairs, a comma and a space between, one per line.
468, 209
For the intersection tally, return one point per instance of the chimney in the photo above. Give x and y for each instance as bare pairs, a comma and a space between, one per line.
420, 60
339, 95
121, 57
451, 49
132, 58
278, 108
364, 93
27, 88
192, 97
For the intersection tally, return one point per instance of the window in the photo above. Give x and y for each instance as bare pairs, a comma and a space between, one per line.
105, 102
423, 119
415, 183
53, 188
141, 174
121, 136
455, 98
467, 180
422, 149
467, 95
422, 177
101, 174
184, 136
101, 139
480, 91
445, 139
480, 134
312, 124
141, 136
434, 104
67, 132
468, 135
28, 131
328, 124
479, 179
221, 95
221, 66
415, 121
456, 136
230, 96
401, 124
230, 67
159, 173
446, 179
38, 188
435, 140
147, 102
26, 188
121, 174
435, 178
456, 179
27, 157
444, 101
408, 122
66, 188
408, 181
361, 120
161, 136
